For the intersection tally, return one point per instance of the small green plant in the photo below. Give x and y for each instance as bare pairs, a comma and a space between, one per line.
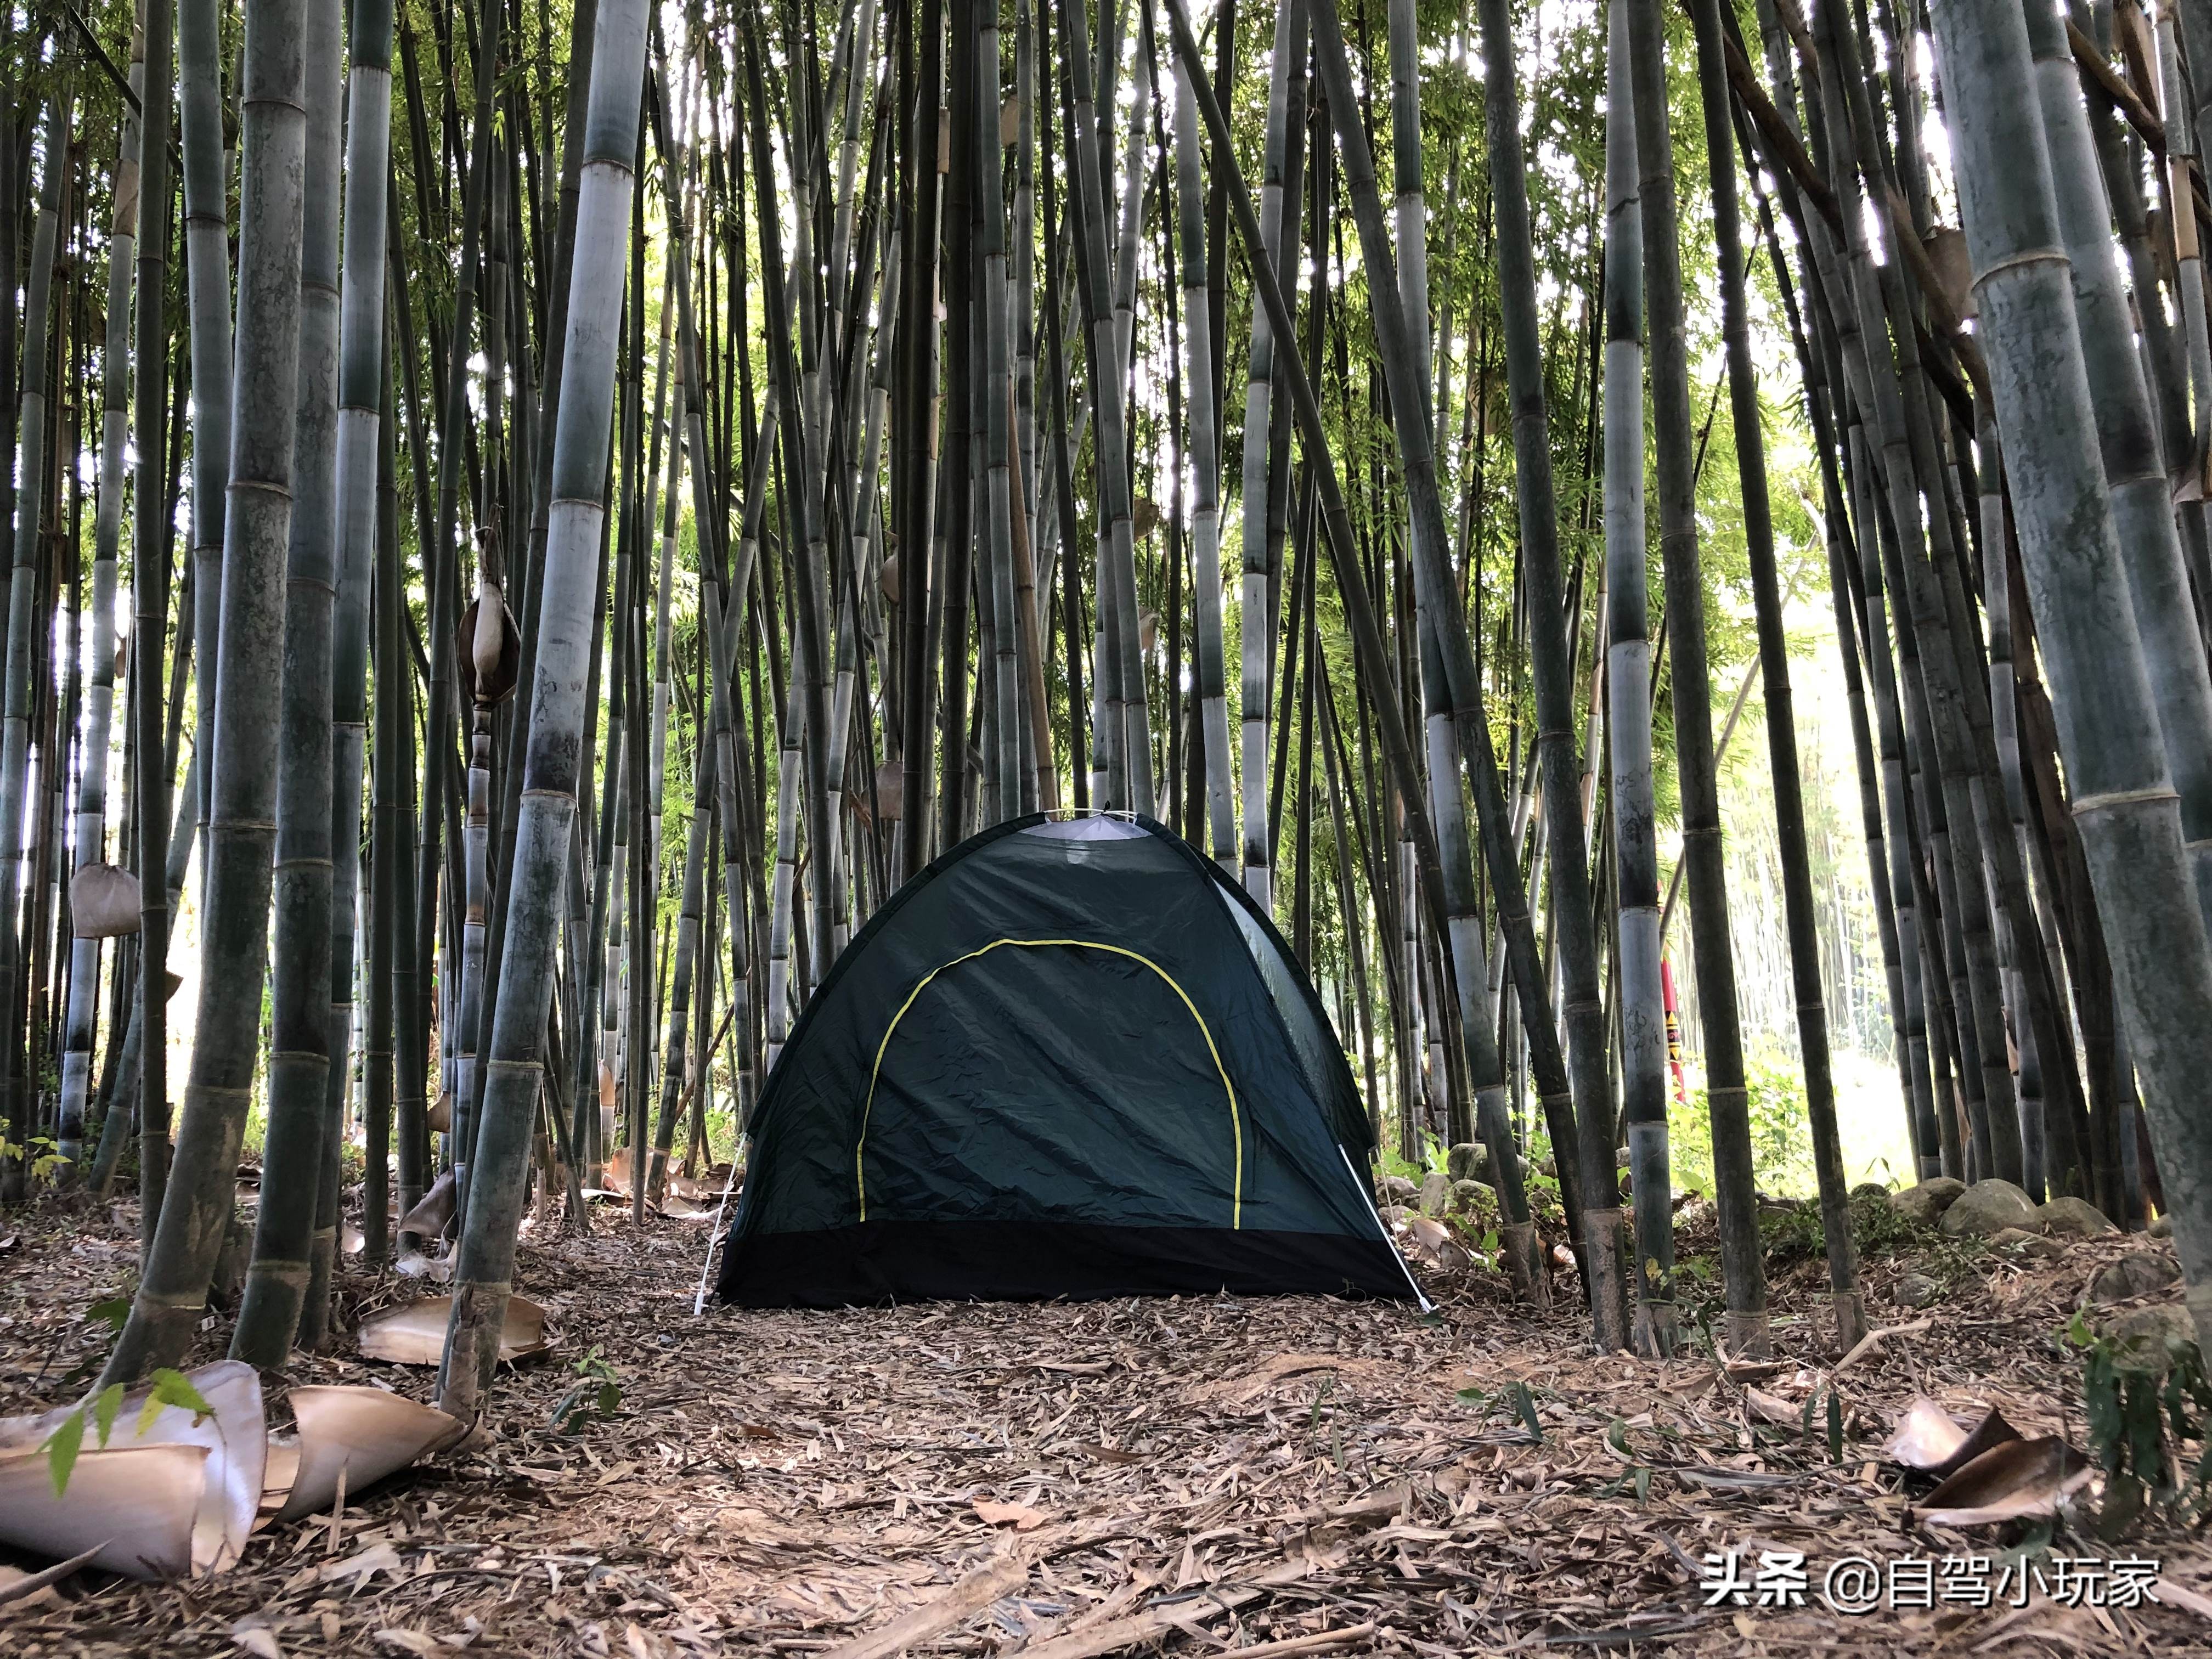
595, 1392
168, 1389
1879, 1228
1635, 1474
43, 1162
2146, 1397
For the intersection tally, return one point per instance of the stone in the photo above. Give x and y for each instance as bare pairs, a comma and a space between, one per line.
1396, 1189
1620, 1158
1870, 1189
1547, 1165
1991, 1206
1435, 1193
2144, 1339
1926, 1203
1470, 1196
2021, 1241
2161, 1228
1917, 1290
1468, 1161
2074, 1218
2139, 1272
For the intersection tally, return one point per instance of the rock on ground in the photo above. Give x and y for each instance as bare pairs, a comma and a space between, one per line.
1991, 1206
1917, 1290
2074, 1218
2146, 1337
2018, 1238
1468, 1161
2140, 1272
1926, 1203
1435, 1193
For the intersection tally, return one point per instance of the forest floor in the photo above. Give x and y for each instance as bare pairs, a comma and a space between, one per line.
1280, 1476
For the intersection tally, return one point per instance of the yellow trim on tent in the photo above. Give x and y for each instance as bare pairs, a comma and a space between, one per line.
1236, 1124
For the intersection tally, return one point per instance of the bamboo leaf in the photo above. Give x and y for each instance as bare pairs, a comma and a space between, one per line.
105, 1408
61, 1449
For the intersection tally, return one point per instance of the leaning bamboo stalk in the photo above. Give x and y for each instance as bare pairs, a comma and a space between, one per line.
1205, 461
1553, 676
241, 837
88, 833
33, 475
154, 516
1849, 1305
2142, 512
356, 479
1125, 728
1256, 630
1628, 725
207, 263
564, 610
1448, 885
1743, 1265
300, 962
2122, 796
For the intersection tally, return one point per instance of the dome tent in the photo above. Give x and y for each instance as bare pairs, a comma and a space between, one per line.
1068, 1059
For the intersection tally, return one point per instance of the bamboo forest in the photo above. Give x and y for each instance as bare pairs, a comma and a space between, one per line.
1058, 828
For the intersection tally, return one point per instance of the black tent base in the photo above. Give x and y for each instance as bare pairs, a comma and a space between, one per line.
875, 1262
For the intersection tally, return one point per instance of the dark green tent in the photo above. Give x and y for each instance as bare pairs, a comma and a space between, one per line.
1068, 1059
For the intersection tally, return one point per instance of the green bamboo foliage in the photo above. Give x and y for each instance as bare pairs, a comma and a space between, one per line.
241, 837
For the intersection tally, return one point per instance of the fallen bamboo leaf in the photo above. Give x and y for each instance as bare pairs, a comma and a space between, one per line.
348, 1438
1317, 1642
1773, 1408
955, 1607
1154, 1622
1873, 1339
2020, 1480
364, 1564
2175, 1596
411, 1641
415, 1334
1020, 1517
